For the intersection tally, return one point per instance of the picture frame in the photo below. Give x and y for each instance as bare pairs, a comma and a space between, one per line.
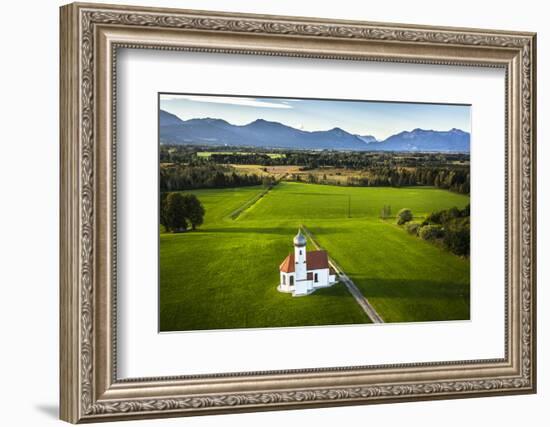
90, 389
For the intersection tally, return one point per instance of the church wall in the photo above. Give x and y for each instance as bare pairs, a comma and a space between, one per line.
302, 287
284, 281
323, 277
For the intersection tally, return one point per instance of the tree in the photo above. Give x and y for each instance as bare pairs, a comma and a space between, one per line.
430, 232
434, 218
175, 213
162, 209
458, 241
404, 215
194, 210
412, 228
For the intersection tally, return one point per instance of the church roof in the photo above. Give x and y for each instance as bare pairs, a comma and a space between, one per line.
315, 260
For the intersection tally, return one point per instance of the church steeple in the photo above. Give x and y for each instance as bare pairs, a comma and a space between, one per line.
300, 266
299, 239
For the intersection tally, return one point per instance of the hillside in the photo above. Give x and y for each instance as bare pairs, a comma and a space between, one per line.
269, 134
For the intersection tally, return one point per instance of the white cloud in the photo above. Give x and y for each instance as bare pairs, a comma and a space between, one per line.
247, 102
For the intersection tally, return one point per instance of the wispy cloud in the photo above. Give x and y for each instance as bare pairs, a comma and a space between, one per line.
246, 102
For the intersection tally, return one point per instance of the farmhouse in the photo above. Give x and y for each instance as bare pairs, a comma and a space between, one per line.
303, 272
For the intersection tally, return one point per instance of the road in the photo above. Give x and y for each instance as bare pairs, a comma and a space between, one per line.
352, 287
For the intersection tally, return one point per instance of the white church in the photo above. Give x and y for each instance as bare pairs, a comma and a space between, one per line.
303, 272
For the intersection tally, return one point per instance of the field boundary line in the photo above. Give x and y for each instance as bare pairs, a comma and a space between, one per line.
249, 203
352, 287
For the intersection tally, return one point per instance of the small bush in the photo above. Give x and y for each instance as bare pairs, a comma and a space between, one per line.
412, 228
404, 215
430, 232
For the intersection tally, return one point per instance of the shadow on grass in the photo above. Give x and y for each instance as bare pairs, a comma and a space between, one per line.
336, 290
323, 230
289, 231
407, 288
402, 300
317, 194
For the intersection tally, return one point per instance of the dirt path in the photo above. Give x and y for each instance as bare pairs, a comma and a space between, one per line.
352, 287
248, 204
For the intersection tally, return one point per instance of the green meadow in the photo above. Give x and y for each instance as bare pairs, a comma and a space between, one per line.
225, 274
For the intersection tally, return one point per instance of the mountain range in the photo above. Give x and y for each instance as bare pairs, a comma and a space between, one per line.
268, 134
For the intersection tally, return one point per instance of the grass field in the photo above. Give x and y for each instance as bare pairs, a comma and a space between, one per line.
225, 274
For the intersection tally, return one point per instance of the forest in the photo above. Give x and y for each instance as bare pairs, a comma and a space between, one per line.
177, 177
182, 167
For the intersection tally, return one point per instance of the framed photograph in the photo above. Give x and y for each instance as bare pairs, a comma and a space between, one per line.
267, 212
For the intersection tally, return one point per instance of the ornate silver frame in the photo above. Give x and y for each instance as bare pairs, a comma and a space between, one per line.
90, 36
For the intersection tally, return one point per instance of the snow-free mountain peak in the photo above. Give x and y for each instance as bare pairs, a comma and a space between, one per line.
271, 134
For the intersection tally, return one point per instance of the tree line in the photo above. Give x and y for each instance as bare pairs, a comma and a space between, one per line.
450, 228
308, 159
457, 180
187, 177
453, 179
184, 169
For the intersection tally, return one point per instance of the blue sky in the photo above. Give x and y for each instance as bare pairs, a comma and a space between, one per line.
380, 119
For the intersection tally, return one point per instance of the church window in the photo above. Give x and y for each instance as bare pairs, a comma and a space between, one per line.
316, 277
284, 280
